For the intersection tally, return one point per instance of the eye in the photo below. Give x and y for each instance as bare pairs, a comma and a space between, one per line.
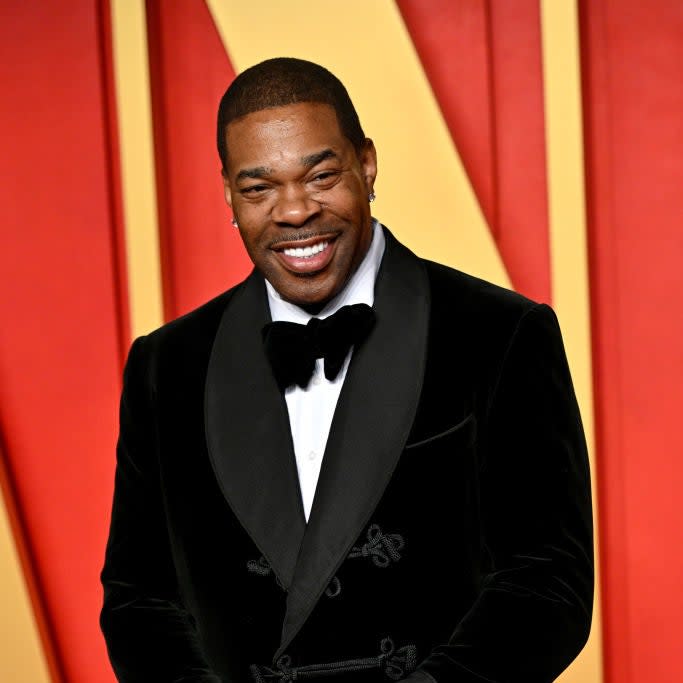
325, 178
253, 190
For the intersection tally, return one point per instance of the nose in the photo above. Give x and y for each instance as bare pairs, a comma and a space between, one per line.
294, 207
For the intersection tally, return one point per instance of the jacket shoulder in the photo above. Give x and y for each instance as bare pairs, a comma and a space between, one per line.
187, 340
479, 321
473, 301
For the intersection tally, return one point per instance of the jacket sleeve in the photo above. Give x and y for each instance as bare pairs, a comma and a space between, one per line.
149, 635
533, 613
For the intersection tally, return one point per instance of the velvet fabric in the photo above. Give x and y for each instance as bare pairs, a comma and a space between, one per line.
450, 537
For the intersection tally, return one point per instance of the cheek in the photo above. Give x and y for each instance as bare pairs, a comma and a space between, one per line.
251, 238
253, 223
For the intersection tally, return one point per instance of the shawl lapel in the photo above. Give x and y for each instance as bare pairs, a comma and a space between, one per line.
248, 434
375, 412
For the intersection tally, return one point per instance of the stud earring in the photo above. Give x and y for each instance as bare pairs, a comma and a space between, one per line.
371, 197
234, 222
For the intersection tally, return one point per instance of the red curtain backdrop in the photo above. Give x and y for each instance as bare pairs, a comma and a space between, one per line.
201, 253
483, 61
63, 308
633, 96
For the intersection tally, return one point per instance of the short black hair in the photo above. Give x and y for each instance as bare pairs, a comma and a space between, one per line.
281, 81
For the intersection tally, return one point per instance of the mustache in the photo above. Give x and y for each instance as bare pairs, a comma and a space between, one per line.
302, 235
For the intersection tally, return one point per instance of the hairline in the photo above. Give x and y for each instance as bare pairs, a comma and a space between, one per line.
356, 147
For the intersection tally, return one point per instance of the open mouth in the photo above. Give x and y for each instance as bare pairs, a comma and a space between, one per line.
308, 256
306, 252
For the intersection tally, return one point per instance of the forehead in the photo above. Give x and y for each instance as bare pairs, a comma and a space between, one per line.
284, 133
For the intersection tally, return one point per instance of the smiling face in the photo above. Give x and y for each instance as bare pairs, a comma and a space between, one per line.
299, 192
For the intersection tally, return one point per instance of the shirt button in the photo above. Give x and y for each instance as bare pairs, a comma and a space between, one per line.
312, 455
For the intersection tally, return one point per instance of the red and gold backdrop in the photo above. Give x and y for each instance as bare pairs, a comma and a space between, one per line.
538, 144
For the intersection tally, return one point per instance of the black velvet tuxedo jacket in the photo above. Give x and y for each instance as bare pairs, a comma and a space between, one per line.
450, 537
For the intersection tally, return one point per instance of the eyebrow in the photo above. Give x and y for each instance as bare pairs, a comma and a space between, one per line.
309, 161
314, 159
256, 172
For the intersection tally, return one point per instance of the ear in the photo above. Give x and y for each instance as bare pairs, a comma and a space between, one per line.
368, 163
227, 189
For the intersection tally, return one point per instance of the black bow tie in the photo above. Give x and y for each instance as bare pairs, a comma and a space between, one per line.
292, 348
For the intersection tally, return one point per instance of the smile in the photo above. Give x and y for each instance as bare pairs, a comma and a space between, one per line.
306, 252
308, 259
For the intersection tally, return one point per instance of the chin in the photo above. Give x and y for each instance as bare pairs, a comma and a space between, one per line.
306, 293
312, 304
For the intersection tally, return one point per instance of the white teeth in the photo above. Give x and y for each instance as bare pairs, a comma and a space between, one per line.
306, 252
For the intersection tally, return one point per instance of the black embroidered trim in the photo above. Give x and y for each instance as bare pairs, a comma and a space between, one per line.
395, 664
334, 589
382, 548
262, 568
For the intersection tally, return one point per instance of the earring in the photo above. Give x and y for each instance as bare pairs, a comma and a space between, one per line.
371, 197
234, 222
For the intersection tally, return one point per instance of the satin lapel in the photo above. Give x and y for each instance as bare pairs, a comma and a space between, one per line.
374, 415
248, 435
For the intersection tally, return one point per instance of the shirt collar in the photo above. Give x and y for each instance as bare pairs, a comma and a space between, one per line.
360, 289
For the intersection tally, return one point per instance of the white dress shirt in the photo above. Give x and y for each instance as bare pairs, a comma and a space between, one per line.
311, 409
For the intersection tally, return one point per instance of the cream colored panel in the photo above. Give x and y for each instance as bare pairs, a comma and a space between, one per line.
569, 255
21, 652
423, 193
134, 111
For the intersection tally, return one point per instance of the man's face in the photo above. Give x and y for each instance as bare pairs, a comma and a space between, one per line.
299, 192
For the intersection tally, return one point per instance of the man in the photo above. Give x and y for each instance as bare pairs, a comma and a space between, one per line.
416, 504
